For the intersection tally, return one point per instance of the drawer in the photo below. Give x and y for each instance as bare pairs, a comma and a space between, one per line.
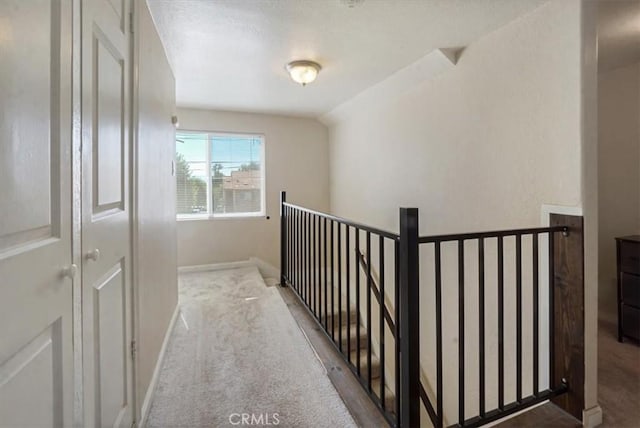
630, 257
631, 322
630, 287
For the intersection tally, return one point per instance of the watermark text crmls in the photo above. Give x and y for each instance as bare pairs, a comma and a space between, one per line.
264, 419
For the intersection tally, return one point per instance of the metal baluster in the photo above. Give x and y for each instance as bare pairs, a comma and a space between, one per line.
340, 285
368, 244
481, 303
309, 265
326, 308
283, 239
299, 254
381, 316
333, 287
290, 247
396, 304
438, 286
288, 244
357, 272
518, 318
305, 296
295, 250
535, 314
318, 290
552, 345
461, 390
500, 323
348, 303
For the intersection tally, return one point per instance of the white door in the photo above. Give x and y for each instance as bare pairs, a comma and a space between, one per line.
36, 356
106, 214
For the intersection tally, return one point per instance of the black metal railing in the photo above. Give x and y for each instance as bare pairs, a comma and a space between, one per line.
321, 260
462, 242
325, 264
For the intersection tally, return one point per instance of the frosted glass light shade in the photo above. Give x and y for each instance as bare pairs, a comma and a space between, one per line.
303, 72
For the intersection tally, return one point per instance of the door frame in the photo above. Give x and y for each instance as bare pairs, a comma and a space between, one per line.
76, 210
134, 47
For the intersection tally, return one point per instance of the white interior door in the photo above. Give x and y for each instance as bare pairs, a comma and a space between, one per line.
106, 214
36, 356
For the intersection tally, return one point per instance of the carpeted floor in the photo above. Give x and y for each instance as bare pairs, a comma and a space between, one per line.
236, 352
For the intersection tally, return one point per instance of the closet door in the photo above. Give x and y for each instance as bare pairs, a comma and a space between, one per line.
36, 271
106, 214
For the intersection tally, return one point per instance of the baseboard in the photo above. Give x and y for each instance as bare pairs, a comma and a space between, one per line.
592, 417
148, 398
267, 270
215, 266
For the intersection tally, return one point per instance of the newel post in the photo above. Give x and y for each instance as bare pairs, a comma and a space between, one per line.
283, 240
409, 319
567, 321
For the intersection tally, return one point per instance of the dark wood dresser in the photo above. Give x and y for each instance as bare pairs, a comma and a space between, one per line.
628, 250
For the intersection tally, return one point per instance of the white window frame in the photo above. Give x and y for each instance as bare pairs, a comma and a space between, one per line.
263, 178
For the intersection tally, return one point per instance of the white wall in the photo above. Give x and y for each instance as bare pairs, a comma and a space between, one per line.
619, 170
156, 270
483, 146
296, 151
501, 131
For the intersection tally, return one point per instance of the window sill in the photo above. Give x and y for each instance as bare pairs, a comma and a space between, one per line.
222, 217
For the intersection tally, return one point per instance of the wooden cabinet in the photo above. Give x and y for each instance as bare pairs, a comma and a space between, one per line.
628, 251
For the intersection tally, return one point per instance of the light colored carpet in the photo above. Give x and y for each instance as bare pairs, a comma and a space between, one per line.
237, 350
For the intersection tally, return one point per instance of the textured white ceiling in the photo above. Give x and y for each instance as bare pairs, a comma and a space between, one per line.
230, 54
618, 33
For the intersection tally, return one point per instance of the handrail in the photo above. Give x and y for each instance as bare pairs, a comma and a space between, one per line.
492, 234
376, 294
351, 223
312, 248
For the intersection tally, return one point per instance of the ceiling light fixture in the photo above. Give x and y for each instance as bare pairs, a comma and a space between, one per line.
303, 71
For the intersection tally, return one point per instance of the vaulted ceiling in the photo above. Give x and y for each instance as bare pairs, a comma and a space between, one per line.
231, 54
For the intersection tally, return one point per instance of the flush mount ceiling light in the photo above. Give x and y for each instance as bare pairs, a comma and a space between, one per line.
303, 71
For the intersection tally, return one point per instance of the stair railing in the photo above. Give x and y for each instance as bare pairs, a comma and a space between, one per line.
319, 263
321, 258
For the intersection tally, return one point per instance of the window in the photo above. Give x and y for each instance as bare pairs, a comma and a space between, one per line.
219, 175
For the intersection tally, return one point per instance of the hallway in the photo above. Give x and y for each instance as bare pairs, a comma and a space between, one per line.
447, 191
235, 349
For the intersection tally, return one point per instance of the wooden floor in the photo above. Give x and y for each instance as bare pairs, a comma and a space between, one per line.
362, 409
546, 415
618, 377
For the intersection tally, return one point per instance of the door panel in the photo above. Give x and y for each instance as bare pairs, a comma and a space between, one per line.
111, 331
31, 379
26, 122
106, 215
36, 355
109, 144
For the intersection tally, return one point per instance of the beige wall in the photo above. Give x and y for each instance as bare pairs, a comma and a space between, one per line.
296, 154
619, 169
157, 290
482, 146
